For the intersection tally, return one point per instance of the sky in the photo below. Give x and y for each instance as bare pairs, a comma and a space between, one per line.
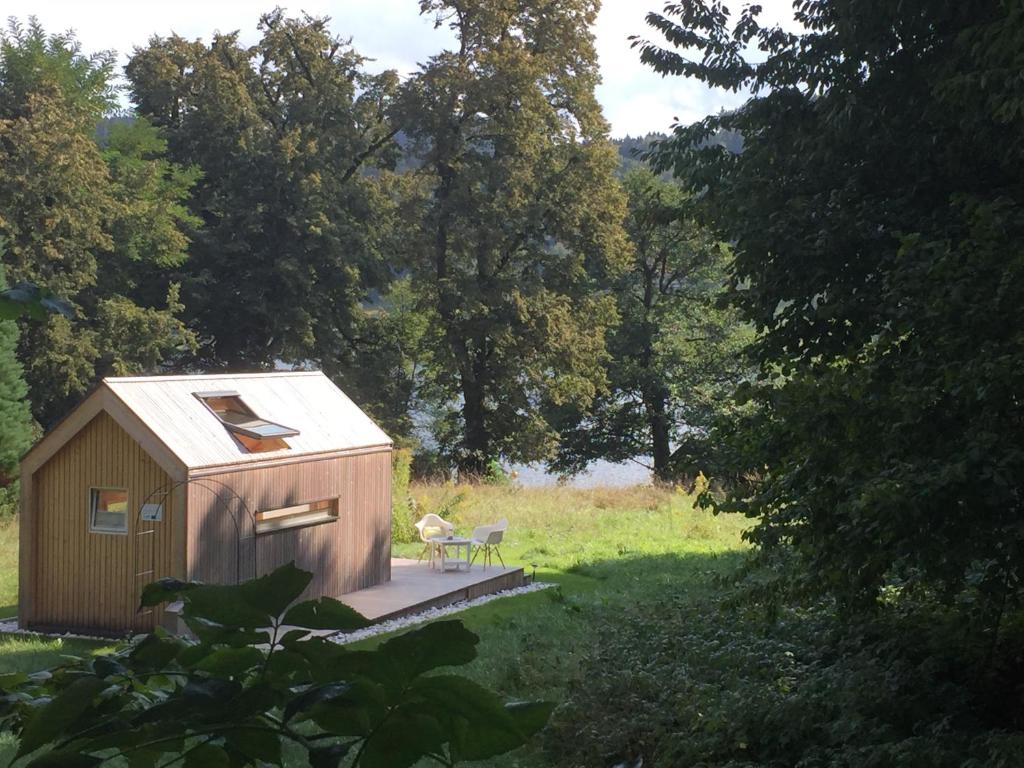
636, 100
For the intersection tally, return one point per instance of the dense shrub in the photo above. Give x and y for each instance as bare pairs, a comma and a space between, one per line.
257, 683
402, 512
9, 500
681, 684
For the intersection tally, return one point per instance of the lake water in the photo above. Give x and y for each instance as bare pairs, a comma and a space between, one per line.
600, 473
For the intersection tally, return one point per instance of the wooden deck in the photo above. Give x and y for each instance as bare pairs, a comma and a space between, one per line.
415, 587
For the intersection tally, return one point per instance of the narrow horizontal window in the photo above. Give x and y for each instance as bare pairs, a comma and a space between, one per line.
323, 511
108, 510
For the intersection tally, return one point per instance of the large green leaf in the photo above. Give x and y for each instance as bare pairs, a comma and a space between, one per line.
53, 719
313, 696
479, 738
170, 732
258, 743
277, 590
231, 662
223, 606
441, 644
325, 613
64, 760
356, 712
206, 756
401, 740
252, 605
156, 650
329, 756
287, 668
476, 720
165, 590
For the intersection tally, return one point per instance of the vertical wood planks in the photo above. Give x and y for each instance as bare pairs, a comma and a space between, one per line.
348, 554
86, 580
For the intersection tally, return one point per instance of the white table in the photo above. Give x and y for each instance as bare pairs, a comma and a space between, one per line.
448, 562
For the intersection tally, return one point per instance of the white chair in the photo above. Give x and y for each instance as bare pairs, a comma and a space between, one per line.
432, 526
489, 537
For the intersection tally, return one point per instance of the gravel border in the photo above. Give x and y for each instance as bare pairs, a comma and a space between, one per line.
10, 626
344, 638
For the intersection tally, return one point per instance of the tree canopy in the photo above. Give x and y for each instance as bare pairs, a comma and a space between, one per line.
284, 132
85, 223
876, 211
518, 215
674, 357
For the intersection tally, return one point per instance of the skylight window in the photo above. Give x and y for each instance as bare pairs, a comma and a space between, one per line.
254, 433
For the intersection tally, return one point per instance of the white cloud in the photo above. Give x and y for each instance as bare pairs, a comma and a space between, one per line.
636, 99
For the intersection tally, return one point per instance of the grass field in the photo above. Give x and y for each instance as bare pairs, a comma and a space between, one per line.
605, 549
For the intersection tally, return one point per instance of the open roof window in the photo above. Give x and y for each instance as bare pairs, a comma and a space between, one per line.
255, 434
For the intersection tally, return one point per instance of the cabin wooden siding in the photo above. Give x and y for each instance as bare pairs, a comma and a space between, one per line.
83, 580
350, 553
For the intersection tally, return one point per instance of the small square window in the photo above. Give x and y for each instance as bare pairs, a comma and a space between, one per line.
108, 510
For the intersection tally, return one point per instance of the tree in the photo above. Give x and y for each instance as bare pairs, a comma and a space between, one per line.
521, 214
16, 425
259, 684
286, 133
97, 228
877, 209
674, 357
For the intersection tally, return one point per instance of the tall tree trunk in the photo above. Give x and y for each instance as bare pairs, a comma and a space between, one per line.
476, 443
656, 406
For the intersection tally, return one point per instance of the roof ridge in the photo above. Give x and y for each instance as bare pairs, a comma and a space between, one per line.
206, 376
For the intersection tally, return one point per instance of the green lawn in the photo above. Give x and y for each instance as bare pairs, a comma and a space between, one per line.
604, 548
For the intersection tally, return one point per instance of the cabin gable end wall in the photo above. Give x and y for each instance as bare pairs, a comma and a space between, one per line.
70, 576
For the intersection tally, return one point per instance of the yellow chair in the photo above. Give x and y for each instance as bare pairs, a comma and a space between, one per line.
432, 526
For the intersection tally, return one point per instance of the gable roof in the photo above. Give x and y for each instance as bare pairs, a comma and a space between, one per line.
166, 408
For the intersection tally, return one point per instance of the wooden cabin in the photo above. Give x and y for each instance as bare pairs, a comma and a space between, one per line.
208, 478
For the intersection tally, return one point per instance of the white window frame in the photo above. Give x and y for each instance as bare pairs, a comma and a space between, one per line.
297, 516
91, 503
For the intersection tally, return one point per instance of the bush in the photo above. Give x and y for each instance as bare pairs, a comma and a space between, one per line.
260, 679
683, 684
403, 513
9, 500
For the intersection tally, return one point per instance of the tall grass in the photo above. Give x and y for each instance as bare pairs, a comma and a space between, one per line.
8, 567
561, 528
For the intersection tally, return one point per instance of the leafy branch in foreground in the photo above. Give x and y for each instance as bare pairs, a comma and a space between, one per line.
257, 675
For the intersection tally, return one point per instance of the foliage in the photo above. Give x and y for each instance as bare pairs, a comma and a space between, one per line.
10, 500
385, 373
258, 675
16, 425
285, 132
403, 519
877, 210
517, 214
98, 228
672, 682
674, 357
